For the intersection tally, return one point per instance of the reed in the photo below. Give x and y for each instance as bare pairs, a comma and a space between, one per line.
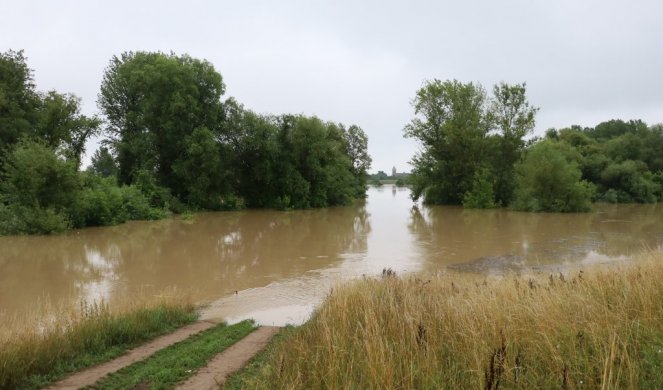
35, 353
600, 327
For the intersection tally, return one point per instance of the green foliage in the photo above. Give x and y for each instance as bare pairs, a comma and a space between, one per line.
171, 132
630, 181
451, 126
154, 102
549, 180
18, 219
481, 196
201, 170
461, 131
102, 203
172, 144
18, 99
513, 119
38, 187
357, 151
620, 158
103, 163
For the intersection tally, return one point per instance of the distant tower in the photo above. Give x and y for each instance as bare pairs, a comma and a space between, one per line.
393, 171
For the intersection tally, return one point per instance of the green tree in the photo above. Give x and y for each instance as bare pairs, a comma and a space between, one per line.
18, 99
103, 163
630, 181
61, 125
202, 171
153, 103
357, 150
549, 179
51, 118
451, 126
38, 188
513, 118
481, 196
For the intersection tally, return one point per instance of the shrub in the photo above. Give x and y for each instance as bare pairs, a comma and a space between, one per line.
481, 196
549, 180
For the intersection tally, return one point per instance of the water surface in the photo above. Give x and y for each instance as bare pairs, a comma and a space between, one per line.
276, 266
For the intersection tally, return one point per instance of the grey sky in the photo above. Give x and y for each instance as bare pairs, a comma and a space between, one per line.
360, 62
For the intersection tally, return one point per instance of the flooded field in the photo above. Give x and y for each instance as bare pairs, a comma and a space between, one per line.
276, 266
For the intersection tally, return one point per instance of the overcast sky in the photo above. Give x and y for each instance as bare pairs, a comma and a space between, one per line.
361, 62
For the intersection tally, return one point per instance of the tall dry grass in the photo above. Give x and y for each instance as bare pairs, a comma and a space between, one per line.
595, 328
39, 348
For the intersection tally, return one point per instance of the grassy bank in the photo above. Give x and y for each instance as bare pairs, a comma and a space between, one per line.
166, 368
592, 328
31, 357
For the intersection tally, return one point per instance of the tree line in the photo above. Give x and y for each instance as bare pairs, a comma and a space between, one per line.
171, 144
475, 152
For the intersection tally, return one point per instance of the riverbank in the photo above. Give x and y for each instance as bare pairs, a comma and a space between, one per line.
34, 355
601, 326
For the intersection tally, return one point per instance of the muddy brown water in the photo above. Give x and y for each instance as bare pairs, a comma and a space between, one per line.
276, 266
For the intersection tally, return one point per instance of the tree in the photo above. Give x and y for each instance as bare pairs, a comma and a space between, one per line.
39, 188
548, 179
513, 118
62, 126
103, 163
153, 103
451, 127
52, 118
18, 99
357, 150
202, 171
481, 196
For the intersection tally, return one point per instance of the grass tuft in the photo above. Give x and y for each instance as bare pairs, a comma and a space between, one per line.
595, 328
32, 357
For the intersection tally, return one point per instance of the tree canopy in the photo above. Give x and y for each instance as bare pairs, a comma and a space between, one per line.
171, 145
474, 151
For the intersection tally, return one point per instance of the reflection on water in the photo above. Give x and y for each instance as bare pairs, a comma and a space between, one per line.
275, 266
488, 238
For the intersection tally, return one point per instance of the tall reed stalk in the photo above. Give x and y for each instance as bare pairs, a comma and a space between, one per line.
594, 328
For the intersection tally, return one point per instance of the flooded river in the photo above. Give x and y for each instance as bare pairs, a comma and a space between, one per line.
276, 266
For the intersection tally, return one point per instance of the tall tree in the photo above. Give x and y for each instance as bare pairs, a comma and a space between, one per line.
154, 102
52, 118
513, 118
357, 149
451, 128
103, 163
18, 99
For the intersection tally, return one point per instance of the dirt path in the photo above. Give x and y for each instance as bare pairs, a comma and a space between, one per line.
91, 375
232, 359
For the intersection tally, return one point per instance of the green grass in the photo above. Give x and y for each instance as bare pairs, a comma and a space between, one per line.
174, 364
33, 358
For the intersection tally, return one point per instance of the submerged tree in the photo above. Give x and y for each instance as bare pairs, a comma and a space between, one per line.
513, 118
470, 142
451, 127
549, 179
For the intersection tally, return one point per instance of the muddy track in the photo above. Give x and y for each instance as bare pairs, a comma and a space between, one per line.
91, 375
232, 359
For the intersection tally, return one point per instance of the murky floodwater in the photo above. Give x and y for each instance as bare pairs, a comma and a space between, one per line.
275, 266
